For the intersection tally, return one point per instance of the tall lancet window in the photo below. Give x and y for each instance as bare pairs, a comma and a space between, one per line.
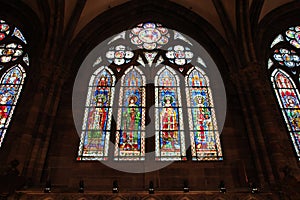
130, 134
169, 135
205, 138
283, 65
97, 117
13, 63
288, 98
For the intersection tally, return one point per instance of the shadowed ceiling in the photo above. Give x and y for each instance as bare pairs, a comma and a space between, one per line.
213, 11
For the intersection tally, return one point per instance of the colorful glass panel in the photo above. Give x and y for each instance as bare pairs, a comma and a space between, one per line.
179, 55
288, 98
130, 134
287, 57
119, 55
4, 29
293, 36
205, 138
169, 134
149, 36
10, 89
95, 135
19, 35
11, 50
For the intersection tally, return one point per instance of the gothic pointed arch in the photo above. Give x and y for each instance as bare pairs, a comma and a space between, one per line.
94, 142
283, 65
149, 61
130, 134
204, 134
13, 62
169, 128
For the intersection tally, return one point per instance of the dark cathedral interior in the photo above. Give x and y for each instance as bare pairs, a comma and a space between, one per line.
150, 99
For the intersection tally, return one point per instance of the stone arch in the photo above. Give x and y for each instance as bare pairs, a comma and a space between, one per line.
100, 28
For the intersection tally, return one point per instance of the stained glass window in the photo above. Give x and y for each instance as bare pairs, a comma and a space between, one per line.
288, 97
162, 58
169, 134
13, 59
97, 117
130, 134
283, 64
205, 141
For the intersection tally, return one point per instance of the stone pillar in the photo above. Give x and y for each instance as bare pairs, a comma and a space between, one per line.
250, 84
275, 138
249, 128
41, 118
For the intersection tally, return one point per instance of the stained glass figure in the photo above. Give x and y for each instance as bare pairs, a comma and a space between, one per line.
169, 135
10, 88
95, 135
288, 98
205, 138
130, 134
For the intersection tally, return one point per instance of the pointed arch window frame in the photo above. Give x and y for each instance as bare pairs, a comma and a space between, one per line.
165, 156
101, 155
13, 55
147, 57
284, 57
284, 109
214, 151
14, 97
131, 153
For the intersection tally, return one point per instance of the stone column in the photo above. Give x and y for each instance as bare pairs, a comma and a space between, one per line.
250, 84
41, 118
273, 133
